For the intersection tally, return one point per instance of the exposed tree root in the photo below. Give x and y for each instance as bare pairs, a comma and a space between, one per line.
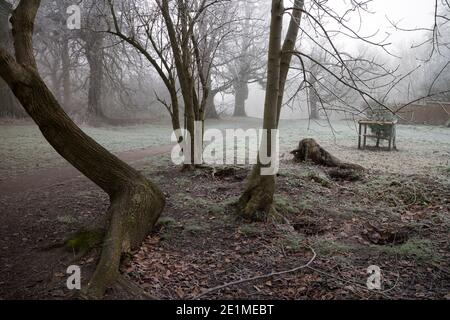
309, 149
132, 215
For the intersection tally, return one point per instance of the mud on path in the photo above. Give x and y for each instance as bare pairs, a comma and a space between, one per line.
37, 212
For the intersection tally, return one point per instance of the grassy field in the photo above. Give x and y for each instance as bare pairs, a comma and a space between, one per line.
200, 242
23, 148
422, 149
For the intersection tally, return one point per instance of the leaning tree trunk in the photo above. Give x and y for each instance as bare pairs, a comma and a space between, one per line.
135, 202
240, 97
9, 106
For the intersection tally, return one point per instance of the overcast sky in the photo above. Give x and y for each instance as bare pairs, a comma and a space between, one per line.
409, 14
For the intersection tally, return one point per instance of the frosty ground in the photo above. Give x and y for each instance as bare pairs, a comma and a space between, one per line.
200, 242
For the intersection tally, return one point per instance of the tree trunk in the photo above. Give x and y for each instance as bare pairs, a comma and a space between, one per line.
211, 111
10, 108
183, 62
313, 98
135, 202
287, 51
9, 105
240, 97
256, 203
94, 56
67, 86
257, 199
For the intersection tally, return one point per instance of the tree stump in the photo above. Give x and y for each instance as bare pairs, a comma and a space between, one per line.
310, 150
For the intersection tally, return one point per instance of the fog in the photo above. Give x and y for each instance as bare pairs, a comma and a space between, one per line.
225, 150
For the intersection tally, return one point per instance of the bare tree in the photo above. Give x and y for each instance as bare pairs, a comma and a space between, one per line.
356, 75
136, 203
249, 63
259, 191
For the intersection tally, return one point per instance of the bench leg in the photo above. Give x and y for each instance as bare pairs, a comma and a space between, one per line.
365, 136
359, 137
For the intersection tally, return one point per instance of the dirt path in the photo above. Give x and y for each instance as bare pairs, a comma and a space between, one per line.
37, 212
59, 175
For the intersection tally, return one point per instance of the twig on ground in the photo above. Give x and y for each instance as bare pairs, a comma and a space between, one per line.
270, 275
349, 281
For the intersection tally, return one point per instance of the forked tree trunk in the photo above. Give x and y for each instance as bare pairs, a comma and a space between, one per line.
182, 55
135, 202
256, 203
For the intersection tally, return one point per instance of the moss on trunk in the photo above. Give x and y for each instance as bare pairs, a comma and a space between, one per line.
256, 203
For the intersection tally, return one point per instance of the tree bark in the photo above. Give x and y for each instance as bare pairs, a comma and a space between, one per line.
211, 111
136, 203
9, 105
287, 51
240, 97
313, 98
256, 203
67, 85
183, 62
94, 55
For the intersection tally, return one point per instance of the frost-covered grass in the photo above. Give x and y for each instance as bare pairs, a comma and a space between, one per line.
422, 149
23, 148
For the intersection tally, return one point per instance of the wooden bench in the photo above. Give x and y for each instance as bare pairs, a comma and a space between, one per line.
390, 136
